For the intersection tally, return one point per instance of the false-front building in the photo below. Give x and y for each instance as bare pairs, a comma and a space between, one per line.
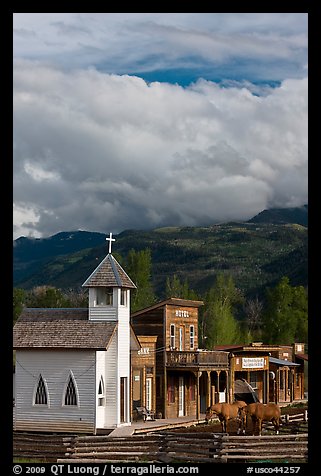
275, 372
188, 379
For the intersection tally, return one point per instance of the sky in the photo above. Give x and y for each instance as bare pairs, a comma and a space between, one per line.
143, 120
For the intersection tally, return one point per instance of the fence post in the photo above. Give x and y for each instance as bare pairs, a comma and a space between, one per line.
305, 415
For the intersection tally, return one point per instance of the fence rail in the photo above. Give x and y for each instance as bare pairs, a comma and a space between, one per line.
168, 446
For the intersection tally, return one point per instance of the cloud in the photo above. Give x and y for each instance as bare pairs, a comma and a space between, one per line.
107, 152
248, 46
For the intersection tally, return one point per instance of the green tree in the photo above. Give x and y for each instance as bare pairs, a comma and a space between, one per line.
138, 267
19, 296
285, 318
300, 312
218, 325
252, 322
175, 288
76, 297
47, 297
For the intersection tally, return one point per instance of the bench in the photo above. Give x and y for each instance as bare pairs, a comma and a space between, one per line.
145, 414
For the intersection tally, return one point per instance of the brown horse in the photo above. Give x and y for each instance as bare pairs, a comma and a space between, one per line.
226, 412
260, 412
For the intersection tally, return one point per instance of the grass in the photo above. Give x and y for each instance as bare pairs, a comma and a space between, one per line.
28, 460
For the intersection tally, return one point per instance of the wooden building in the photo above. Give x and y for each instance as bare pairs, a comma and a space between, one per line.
143, 368
73, 365
276, 372
188, 379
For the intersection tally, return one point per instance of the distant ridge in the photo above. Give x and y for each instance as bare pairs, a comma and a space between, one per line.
31, 253
256, 253
298, 215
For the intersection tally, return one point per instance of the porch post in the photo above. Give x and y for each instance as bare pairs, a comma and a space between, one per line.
267, 387
231, 378
218, 385
165, 393
292, 384
198, 403
208, 393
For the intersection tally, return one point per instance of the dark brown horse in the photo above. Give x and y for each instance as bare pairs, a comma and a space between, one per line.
226, 412
260, 412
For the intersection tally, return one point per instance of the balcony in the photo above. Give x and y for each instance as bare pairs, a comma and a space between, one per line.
209, 358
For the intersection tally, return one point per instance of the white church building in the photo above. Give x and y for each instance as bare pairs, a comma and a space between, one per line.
73, 365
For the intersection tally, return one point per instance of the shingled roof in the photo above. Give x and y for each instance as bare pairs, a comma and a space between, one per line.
61, 328
109, 273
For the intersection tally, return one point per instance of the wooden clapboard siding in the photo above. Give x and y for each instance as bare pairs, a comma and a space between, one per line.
54, 366
184, 322
55, 426
123, 342
123, 362
111, 383
107, 368
157, 321
100, 374
102, 313
152, 324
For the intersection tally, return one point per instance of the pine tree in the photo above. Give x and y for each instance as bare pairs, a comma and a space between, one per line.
138, 267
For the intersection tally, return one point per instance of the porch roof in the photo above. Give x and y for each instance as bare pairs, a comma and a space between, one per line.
273, 360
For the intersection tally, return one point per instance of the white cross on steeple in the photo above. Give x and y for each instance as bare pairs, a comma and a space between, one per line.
110, 239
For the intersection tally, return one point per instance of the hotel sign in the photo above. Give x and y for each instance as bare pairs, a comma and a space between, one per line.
181, 313
253, 362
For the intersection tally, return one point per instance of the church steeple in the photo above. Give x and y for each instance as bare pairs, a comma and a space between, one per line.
109, 273
109, 288
109, 301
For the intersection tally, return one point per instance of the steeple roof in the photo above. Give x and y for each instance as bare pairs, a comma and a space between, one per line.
109, 273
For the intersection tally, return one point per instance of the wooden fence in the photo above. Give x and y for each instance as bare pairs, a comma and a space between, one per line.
268, 447
45, 447
291, 445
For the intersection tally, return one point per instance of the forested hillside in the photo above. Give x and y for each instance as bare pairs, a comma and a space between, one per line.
255, 255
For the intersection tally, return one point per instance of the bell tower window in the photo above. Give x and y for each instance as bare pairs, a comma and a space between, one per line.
104, 296
123, 297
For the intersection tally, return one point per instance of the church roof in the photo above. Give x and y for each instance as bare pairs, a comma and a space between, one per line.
61, 328
109, 273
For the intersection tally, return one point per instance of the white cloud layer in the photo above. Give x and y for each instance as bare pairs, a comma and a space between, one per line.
108, 152
265, 46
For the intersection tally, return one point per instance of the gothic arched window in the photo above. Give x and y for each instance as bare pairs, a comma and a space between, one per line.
71, 394
41, 393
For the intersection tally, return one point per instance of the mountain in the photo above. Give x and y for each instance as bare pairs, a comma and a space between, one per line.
31, 254
255, 254
297, 215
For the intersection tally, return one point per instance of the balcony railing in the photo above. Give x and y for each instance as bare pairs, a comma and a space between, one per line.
177, 358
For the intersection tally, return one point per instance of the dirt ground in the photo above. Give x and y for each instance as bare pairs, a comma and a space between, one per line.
215, 426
